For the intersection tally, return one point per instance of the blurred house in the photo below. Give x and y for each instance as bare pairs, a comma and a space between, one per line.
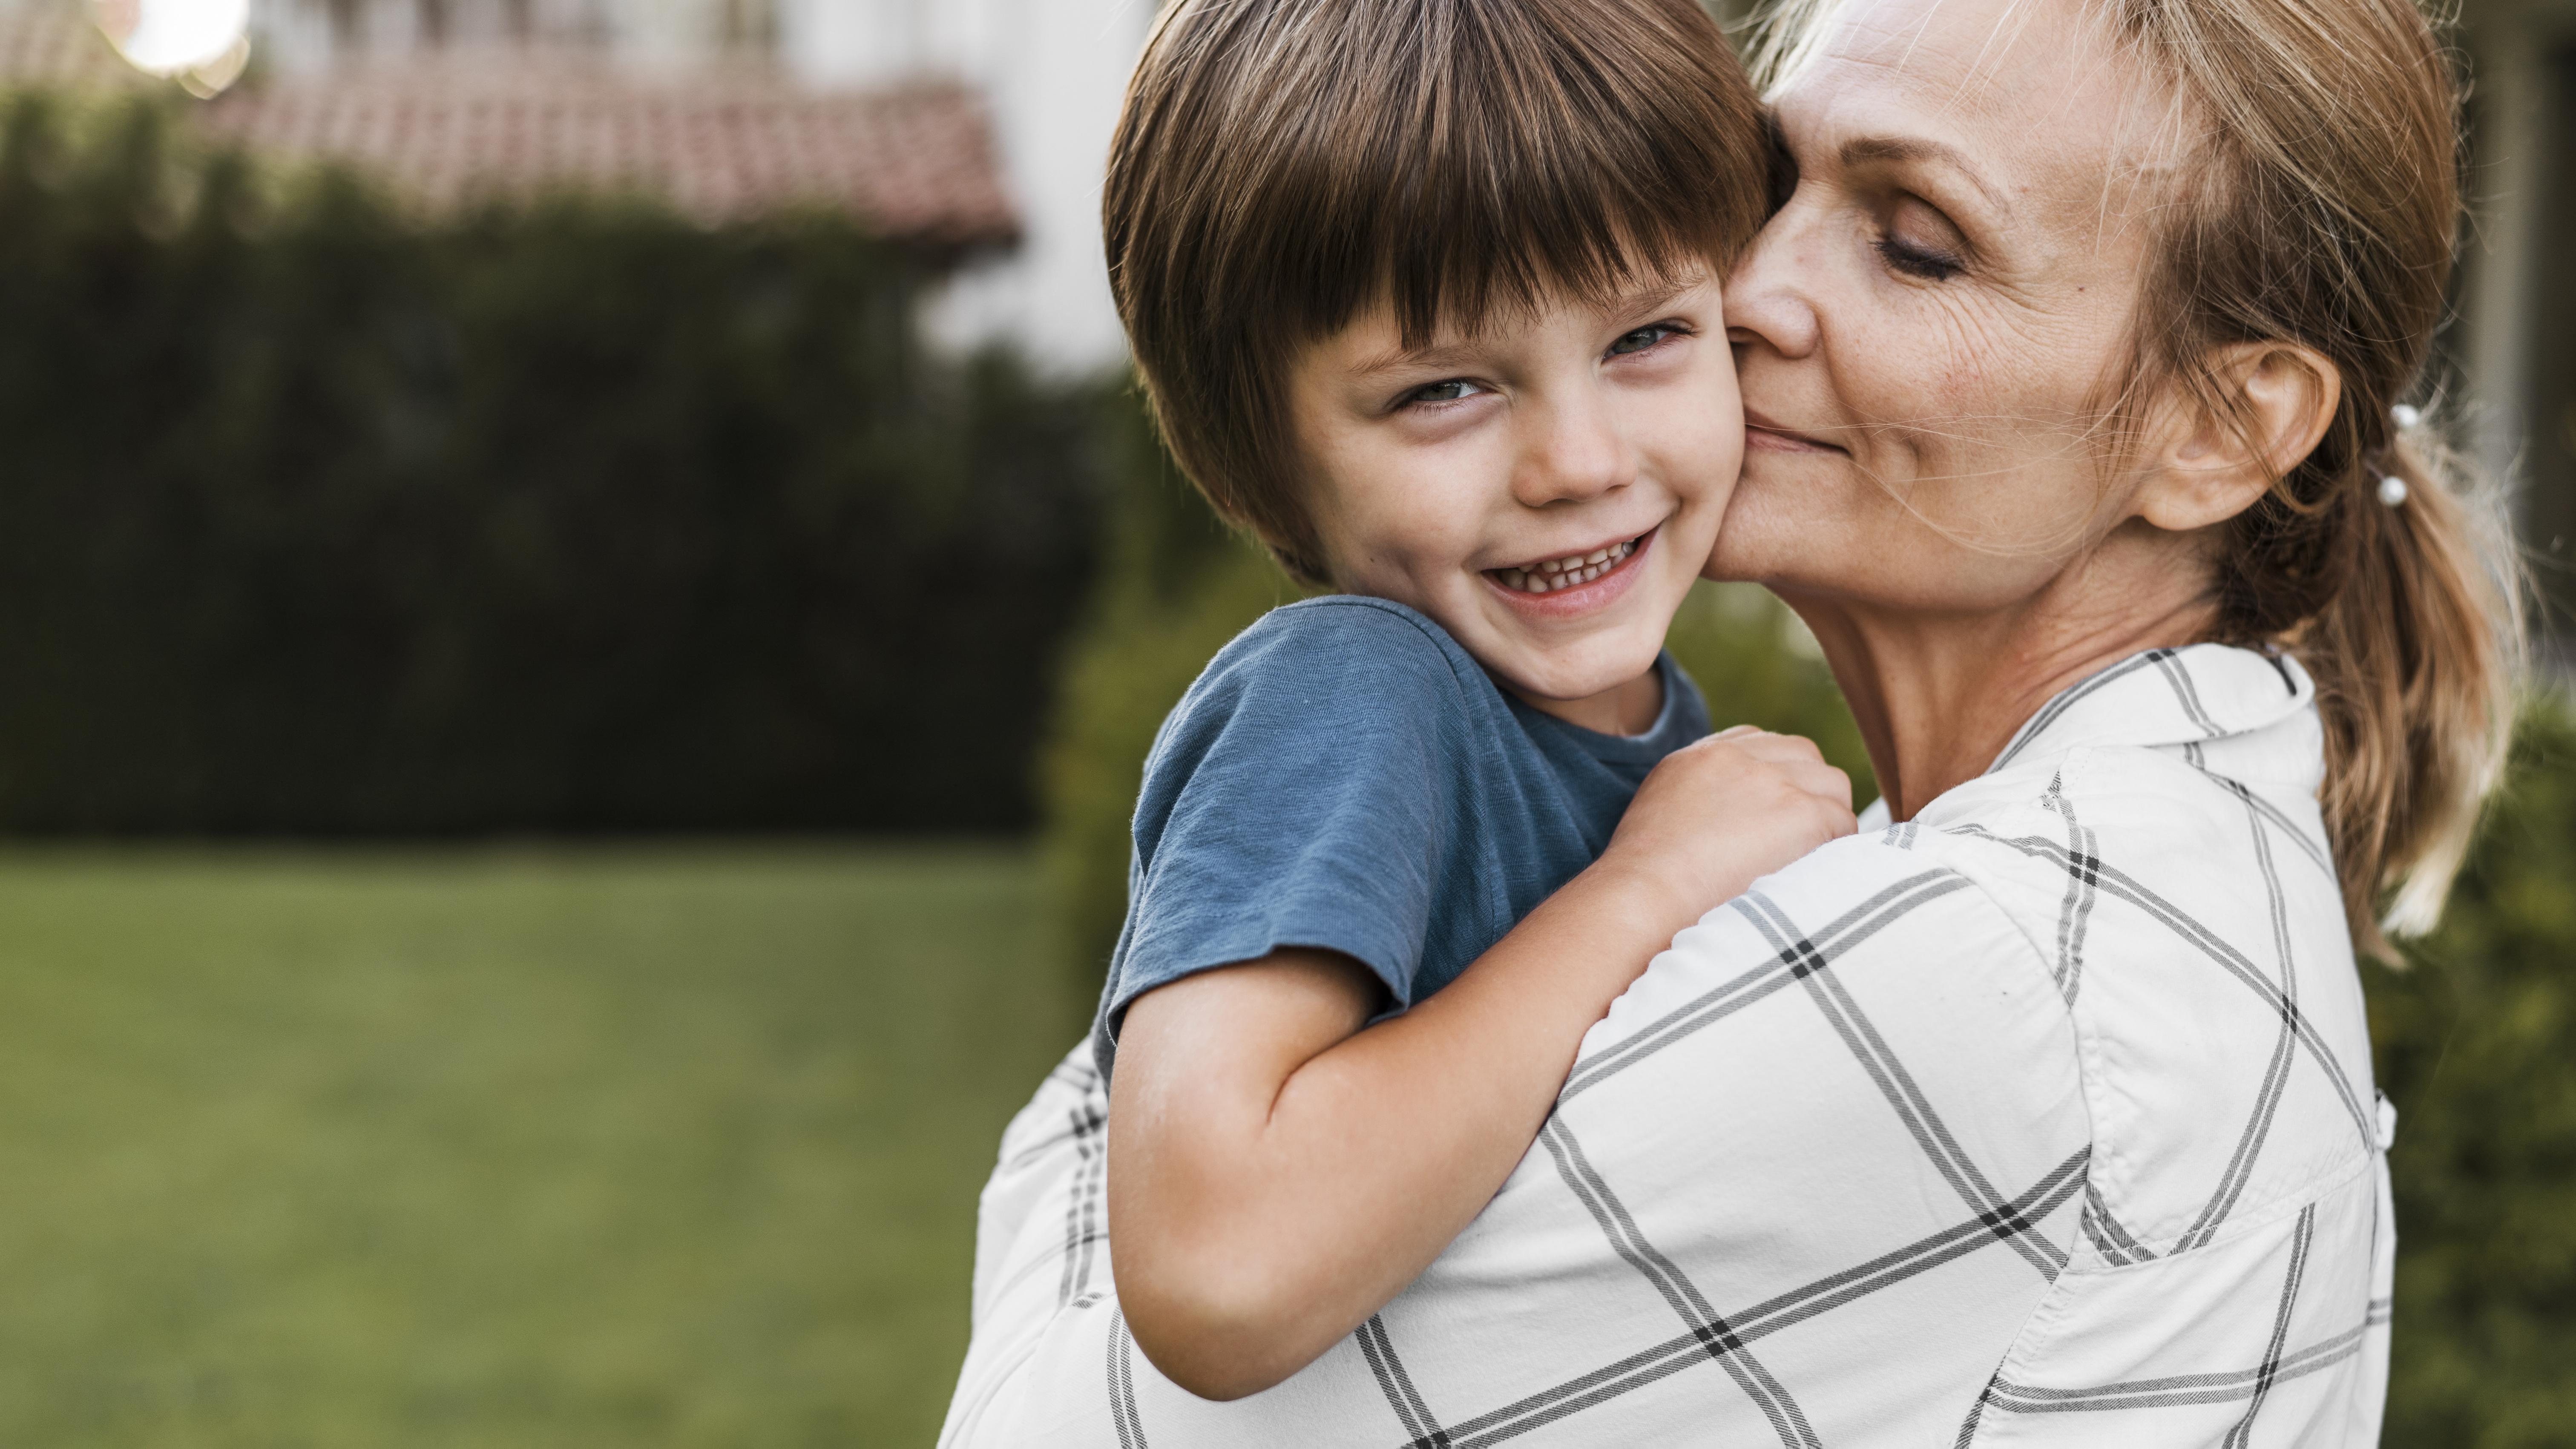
896, 85
973, 129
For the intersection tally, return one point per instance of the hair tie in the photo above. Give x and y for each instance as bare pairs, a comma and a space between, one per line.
2392, 489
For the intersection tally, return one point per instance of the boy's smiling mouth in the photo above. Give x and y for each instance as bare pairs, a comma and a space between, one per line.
1574, 571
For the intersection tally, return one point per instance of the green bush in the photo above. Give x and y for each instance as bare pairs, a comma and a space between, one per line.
2476, 1045
568, 516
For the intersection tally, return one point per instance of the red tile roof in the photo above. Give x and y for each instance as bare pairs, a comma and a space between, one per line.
916, 162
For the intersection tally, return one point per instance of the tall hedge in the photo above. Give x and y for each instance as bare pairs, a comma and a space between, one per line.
574, 516
2476, 1043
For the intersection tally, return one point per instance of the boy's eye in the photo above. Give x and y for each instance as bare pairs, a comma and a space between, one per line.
1455, 389
1642, 338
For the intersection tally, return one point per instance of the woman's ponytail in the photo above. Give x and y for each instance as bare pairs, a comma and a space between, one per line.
2415, 659
2320, 205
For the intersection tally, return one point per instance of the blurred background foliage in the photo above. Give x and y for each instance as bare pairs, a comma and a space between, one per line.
321, 520
2477, 1047
574, 516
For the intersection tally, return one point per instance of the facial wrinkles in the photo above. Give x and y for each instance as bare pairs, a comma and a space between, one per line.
2002, 365
2042, 83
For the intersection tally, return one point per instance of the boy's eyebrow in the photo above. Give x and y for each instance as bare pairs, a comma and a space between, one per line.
1461, 354
1405, 359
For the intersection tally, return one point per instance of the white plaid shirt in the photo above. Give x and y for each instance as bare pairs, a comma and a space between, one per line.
2045, 1118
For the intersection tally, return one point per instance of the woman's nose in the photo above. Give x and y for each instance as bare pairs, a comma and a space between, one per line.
1576, 451
1765, 305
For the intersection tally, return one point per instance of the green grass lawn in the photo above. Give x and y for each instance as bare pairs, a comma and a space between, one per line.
565, 1148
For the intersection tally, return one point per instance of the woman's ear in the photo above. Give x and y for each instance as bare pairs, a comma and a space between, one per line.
2210, 464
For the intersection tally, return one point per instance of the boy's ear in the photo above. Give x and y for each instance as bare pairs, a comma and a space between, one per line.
2208, 464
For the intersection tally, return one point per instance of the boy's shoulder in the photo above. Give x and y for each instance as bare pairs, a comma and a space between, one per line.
1368, 648
1344, 679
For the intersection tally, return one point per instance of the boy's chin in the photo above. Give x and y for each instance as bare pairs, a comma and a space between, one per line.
1599, 672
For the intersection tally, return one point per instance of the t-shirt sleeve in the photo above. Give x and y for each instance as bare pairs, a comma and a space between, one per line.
1298, 796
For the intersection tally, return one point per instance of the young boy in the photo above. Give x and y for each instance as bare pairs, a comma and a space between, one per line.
1425, 294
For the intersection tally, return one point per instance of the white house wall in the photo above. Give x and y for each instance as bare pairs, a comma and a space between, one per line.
1053, 72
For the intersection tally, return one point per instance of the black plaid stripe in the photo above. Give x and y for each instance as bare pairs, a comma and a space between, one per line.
2056, 709
1392, 1381
1845, 932
1894, 1083
2209, 944
2179, 1391
2185, 693
2114, 1242
2276, 1073
1638, 1370
1086, 1216
2082, 886
1715, 1335
1076, 1126
1122, 1383
1976, 1414
2270, 1372
2279, 819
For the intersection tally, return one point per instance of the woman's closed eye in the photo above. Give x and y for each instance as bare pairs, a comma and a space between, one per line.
1921, 243
1917, 261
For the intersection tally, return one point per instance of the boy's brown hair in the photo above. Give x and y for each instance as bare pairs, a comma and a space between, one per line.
1282, 165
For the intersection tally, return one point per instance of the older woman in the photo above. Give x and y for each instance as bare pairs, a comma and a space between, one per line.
2042, 1110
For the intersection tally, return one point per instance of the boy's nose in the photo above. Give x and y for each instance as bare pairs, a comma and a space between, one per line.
1573, 451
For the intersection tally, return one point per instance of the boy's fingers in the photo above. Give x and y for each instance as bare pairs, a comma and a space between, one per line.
1787, 750
1800, 745
1825, 783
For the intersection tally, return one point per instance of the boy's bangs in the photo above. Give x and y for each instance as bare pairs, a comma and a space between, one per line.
1282, 166
1503, 155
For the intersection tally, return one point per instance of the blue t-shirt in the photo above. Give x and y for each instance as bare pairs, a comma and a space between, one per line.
1344, 776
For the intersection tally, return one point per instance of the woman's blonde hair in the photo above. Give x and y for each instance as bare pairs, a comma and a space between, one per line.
2318, 203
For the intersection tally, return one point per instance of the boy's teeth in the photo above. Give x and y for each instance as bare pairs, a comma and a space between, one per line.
1569, 572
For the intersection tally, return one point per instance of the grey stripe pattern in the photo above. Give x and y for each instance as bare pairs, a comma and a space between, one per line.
2049, 1104
1770, 1316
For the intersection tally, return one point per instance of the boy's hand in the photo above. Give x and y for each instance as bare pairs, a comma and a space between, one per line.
1720, 814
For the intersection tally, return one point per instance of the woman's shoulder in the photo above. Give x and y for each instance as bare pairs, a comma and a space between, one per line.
2193, 922
1897, 909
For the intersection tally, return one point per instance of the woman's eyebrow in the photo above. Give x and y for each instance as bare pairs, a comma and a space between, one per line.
1862, 150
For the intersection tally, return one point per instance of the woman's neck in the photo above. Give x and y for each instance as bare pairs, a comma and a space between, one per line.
1938, 694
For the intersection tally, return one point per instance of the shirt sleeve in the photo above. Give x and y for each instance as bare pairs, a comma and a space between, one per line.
1297, 797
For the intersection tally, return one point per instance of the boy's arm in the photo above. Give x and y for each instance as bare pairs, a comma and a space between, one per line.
1281, 1173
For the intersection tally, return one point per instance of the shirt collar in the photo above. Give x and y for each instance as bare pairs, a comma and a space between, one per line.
2169, 697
